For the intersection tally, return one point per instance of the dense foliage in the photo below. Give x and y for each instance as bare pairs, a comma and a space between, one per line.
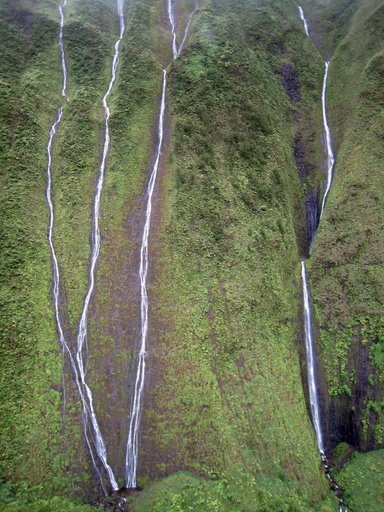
225, 424
362, 479
347, 264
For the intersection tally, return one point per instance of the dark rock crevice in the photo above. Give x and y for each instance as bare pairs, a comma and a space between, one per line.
306, 171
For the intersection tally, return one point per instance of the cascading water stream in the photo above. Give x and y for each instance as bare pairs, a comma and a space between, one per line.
330, 157
55, 265
313, 388
303, 20
312, 384
83, 325
187, 27
172, 23
132, 444
62, 51
131, 459
308, 323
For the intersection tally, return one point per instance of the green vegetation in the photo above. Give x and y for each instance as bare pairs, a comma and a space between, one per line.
225, 425
90, 34
226, 322
31, 501
34, 435
30, 400
182, 492
347, 264
329, 21
362, 480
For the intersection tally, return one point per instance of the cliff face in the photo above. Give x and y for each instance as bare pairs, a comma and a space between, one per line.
36, 422
346, 267
225, 386
225, 422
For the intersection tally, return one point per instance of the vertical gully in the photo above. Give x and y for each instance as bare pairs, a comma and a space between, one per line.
132, 451
83, 325
308, 321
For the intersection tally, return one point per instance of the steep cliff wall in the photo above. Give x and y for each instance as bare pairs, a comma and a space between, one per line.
347, 264
225, 422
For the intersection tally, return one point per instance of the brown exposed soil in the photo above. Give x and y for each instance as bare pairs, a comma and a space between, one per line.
152, 455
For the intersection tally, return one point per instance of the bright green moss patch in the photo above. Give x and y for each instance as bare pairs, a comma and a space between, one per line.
183, 492
362, 481
30, 501
346, 268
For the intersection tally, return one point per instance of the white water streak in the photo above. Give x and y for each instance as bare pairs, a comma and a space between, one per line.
61, 46
187, 27
56, 273
134, 424
56, 291
313, 395
83, 325
132, 444
328, 140
173, 28
330, 157
303, 20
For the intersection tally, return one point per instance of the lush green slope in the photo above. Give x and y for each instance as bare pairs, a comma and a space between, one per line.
362, 480
225, 424
31, 368
38, 445
224, 382
347, 265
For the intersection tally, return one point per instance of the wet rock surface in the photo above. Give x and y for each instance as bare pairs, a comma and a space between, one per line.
303, 167
290, 78
121, 500
345, 413
312, 213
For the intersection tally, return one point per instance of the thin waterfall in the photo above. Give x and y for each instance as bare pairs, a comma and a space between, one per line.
55, 265
132, 452
83, 325
132, 444
187, 27
313, 388
62, 51
303, 20
330, 157
173, 31
48, 192
311, 368
308, 322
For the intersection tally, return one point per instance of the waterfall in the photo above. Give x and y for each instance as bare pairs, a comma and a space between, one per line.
308, 322
62, 51
330, 157
132, 444
92, 433
83, 325
172, 23
312, 384
132, 451
55, 265
303, 20
187, 27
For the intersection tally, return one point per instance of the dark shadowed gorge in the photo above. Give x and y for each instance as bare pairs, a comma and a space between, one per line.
223, 98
